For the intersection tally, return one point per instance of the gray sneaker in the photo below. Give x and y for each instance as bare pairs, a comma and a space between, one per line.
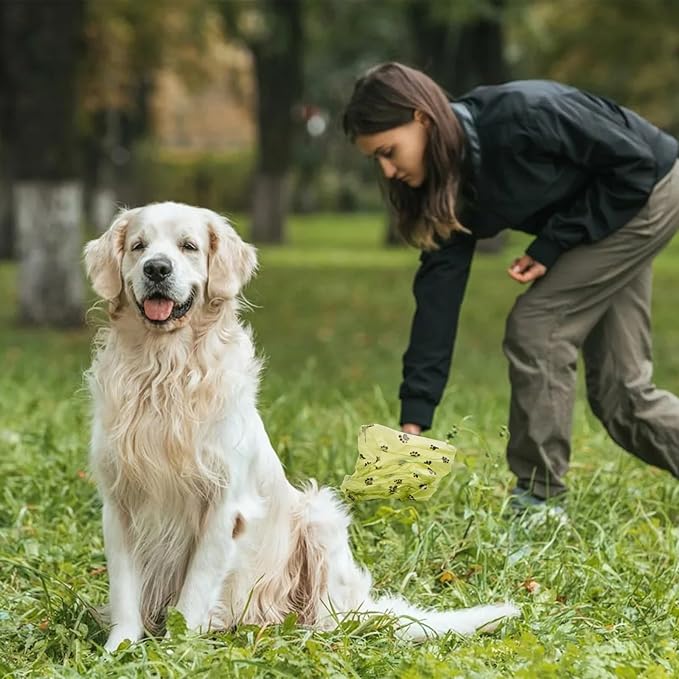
535, 510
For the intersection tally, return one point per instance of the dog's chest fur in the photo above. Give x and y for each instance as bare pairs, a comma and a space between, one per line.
159, 408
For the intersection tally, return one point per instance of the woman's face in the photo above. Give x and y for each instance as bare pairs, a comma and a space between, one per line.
399, 151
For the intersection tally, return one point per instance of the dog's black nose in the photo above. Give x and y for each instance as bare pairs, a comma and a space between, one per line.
158, 268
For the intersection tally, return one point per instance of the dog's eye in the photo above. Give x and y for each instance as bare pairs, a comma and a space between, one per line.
139, 245
188, 245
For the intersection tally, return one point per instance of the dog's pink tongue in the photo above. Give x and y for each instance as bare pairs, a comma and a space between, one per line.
158, 309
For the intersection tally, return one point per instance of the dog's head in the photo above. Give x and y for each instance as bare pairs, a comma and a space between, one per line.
166, 260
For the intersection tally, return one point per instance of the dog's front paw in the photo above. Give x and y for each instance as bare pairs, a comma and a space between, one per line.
187, 617
198, 626
119, 634
189, 622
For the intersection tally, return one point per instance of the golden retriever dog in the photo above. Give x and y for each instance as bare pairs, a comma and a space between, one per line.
197, 511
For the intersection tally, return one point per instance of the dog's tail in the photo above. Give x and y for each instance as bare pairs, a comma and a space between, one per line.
422, 623
344, 587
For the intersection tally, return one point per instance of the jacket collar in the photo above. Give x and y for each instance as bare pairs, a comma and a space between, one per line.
472, 145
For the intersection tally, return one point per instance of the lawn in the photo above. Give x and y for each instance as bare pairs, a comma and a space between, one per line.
331, 315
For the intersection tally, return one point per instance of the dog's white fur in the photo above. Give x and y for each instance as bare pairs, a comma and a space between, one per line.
197, 511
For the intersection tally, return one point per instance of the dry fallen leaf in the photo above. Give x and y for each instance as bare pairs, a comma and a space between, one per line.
530, 585
447, 576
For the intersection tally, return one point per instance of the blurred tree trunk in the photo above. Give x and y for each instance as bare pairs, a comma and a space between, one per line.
6, 216
110, 175
99, 184
41, 43
460, 56
278, 66
6, 210
131, 126
272, 30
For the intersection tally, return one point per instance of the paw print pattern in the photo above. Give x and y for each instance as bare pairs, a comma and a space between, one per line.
385, 454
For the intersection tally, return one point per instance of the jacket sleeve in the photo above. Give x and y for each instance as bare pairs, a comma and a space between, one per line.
620, 164
439, 287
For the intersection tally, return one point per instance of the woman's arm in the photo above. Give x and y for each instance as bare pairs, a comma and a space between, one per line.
439, 288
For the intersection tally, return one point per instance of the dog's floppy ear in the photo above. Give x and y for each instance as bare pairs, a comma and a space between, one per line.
103, 257
232, 261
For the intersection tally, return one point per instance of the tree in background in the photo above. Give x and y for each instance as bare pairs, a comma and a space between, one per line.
628, 51
6, 207
6, 210
461, 46
272, 30
127, 43
342, 40
41, 44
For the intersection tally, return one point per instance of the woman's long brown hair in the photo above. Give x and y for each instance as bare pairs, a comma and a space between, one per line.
387, 96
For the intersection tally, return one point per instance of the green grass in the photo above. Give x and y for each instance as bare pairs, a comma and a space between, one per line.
332, 317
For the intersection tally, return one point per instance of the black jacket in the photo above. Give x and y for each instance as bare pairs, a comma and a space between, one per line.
543, 158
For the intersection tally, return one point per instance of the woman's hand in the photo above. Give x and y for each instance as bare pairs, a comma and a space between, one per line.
410, 428
525, 269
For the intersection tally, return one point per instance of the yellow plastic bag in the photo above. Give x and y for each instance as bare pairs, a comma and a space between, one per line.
393, 464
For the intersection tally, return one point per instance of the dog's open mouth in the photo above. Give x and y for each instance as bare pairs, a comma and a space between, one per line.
159, 309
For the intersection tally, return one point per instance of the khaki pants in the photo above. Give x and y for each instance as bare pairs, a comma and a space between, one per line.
596, 298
